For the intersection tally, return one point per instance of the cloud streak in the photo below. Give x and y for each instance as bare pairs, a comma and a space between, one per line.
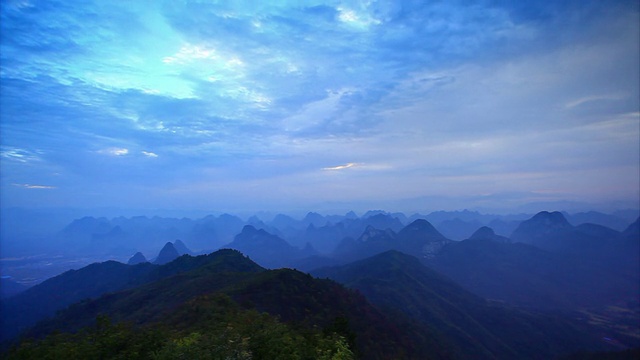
340, 167
30, 186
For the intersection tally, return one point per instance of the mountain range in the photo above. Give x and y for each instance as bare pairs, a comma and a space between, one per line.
550, 288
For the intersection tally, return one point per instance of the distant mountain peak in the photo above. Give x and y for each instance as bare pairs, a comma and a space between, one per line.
167, 254
549, 231
137, 258
487, 233
420, 230
351, 215
267, 249
249, 229
182, 248
371, 232
420, 225
483, 233
555, 218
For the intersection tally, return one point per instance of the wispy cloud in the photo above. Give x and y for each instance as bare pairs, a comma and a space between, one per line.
341, 167
31, 186
149, 154
574, 103
114, 151
19, 155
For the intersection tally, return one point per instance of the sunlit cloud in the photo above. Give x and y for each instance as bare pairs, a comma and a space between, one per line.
114, 151
189, 52
149, 154
351, 17
340, 167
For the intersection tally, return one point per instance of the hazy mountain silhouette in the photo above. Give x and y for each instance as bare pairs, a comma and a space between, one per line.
420, 239
595, 217
371, 242
588, 271
451, 315
457, 229
487, 233
137, 258
547, 230
560, 266
167, 254
266, 249
181, 248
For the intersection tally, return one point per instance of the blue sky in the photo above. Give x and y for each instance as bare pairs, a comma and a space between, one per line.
317, 105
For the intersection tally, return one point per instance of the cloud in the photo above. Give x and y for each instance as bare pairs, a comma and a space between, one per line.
340, 167
114, 151
423, 93
587, 99
30, 186
149, 154
20, 155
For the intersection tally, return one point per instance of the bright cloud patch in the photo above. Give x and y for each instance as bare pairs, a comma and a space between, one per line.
150, 154
341, 167
19, 155
115, 151
30, 186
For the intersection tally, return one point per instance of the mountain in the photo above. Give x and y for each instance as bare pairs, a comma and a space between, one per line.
420, 239
457, 229
594, 217
313, 218
487, 233
324, 238
181, 248
552, 232
371, 242
266, 249
167, 254
137, 258
43, 300
184, 302
525, 275
452, 316
212, 232
548, 230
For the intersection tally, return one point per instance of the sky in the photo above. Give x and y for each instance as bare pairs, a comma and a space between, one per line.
399, 105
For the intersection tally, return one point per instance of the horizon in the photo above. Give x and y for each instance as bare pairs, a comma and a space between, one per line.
485, 105
71, 214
